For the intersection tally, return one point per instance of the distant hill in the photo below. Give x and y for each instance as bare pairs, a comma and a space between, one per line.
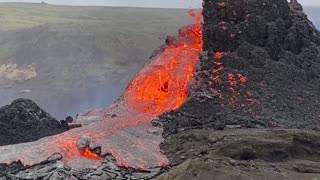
83, 56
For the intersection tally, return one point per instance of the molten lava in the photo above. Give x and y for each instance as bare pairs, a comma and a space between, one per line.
163, 86
127, 134
88, 154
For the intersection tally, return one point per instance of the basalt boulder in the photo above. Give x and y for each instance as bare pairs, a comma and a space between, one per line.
24, 121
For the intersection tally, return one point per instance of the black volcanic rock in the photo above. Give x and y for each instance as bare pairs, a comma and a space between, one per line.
23, 121
272, 25
274, 45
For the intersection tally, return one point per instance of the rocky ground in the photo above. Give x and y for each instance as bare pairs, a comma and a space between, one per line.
54, 169
244, 154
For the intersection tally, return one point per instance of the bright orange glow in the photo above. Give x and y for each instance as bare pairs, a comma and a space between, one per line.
218, 55
163, 86
71, 149
232, 80
88, 154
242, 79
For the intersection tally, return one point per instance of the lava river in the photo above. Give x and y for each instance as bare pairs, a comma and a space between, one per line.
124, 129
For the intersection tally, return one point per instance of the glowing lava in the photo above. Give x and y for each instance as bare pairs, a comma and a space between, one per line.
163, 86
88, 154
124, 129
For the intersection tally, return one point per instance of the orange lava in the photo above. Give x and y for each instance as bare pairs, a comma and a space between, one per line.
69, 146
164, 85
159, 87
88, 154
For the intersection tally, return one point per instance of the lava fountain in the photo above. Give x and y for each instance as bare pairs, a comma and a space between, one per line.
124, 129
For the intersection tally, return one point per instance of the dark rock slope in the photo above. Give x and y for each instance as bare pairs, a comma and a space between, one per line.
23, 121
269, 73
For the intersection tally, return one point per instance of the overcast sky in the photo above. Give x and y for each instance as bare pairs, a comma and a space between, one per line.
134, 3
141, 3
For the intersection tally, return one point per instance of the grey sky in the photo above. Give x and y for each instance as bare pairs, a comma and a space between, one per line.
141, 3
134, 3
310, 2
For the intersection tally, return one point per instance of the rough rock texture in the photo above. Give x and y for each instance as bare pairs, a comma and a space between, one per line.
275, 47
23, 121
244, 154
54, 169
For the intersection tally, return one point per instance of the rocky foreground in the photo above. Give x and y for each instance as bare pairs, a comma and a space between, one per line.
253, 109
244, 154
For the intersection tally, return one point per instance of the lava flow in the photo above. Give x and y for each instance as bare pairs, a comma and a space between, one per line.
164, 87
124, 129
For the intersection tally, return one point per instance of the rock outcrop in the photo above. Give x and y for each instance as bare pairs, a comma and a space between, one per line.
24, 121
260, 69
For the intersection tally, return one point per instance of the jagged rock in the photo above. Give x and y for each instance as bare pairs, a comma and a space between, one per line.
37, 172
60, 175
308, 167
55, 170
295, 5
55, 157
83, 142
23, 121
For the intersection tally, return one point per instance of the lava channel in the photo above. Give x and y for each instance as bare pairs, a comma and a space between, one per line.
127, 134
